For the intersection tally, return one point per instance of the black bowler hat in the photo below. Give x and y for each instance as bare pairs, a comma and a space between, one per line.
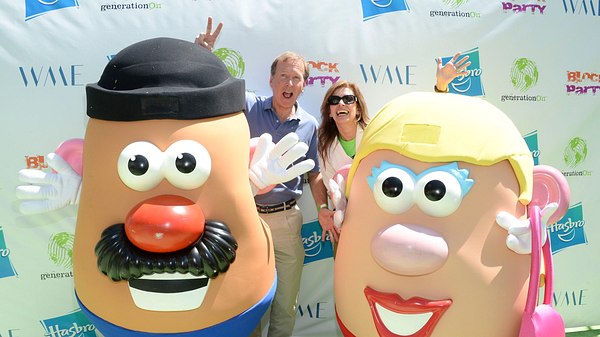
164, 78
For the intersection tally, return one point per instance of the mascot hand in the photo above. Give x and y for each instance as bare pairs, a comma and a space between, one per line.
338, 198
271, 162
49, 191
519, 231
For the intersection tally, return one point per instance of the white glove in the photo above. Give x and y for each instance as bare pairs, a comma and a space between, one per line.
271, 162
337, 195
48, 191
519, 231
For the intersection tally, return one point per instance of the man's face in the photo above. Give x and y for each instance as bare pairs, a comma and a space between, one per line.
420, 255
287, 83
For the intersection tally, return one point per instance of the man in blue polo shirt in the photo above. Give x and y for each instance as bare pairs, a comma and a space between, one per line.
279, 115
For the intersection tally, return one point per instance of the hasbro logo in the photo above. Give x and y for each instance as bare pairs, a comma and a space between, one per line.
469, 84
374, 8
314, 248
531, 139
6, 267
568, 231
74, 324
35, 8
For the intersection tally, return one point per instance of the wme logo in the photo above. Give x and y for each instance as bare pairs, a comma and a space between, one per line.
582, 7
233, 60
387, 74
35, 8
316, 310
569, 298
568, 231
375, 8
74, 324
470, 84
6, 267
328, 74
524, 74
531, 139
44, 76
11, 333
314, 248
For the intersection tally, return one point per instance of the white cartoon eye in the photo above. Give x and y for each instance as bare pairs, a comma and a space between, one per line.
187, 164
438, 193
393, 190
139, 166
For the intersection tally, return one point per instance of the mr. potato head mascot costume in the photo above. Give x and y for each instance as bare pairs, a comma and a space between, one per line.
168, 241
444, 207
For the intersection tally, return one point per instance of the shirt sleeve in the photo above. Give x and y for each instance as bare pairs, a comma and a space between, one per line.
312, 152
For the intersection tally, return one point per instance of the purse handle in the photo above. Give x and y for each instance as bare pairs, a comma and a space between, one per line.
537, 249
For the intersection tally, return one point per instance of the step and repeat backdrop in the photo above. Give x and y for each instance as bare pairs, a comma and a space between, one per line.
537, 60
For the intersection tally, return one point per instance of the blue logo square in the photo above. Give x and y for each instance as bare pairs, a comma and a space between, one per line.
568, 231
314, 248
72, 324
531, 140
374, 8
6, 267
470, 84
35, 8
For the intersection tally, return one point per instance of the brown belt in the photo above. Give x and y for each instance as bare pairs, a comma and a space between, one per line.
266, 209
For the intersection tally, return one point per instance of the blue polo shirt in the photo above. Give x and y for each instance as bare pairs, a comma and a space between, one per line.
262, 119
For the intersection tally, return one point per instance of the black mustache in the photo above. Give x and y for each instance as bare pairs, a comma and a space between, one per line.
119, 259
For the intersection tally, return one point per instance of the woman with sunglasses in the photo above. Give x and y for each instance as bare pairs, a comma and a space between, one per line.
344, 116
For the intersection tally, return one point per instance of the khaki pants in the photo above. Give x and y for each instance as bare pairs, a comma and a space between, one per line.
289, 260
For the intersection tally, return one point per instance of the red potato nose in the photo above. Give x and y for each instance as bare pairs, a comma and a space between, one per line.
164, 224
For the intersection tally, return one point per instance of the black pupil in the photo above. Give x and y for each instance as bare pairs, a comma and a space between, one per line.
392, 187
138, 165
185, 163
435, 190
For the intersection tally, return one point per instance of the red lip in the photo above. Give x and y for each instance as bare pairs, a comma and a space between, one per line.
400, 306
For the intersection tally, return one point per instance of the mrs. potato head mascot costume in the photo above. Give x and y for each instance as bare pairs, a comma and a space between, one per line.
437, 231
168, 241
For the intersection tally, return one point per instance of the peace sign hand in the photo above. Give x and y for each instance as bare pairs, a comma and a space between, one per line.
208, 38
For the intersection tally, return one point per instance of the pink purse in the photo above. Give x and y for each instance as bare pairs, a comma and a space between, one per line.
540, 320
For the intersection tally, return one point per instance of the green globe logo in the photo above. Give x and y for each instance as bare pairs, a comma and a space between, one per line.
455, 3
233, 60
524, 74
575, 152
60, 249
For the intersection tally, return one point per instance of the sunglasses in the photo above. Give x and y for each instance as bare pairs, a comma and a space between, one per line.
347, 99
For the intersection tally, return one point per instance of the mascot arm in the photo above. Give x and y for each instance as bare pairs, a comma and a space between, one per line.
49, 191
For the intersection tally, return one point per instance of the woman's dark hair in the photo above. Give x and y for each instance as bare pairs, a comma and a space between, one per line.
328, 131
